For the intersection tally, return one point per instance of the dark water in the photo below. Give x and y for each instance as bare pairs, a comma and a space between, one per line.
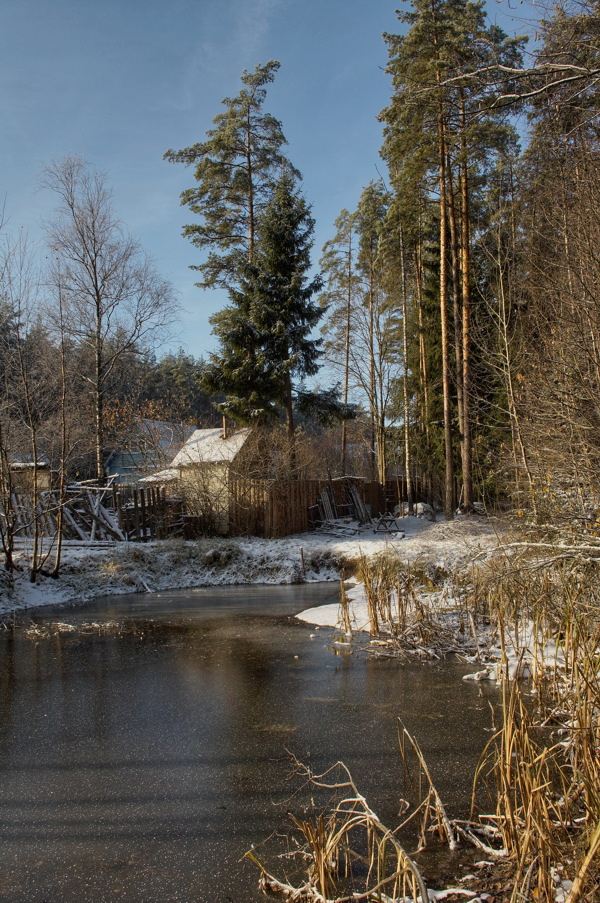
140, 765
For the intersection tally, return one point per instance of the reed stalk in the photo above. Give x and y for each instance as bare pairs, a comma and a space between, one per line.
348, 833
345, 621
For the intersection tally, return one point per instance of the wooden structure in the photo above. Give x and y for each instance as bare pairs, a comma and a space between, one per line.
150, 444
23, 474
146, 513
271, 509
86, 515
200, 475
98, 513
267, 508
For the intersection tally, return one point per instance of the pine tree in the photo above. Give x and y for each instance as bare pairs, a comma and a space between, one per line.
362, 337
265, 333
374, 321
459, 135
236, 169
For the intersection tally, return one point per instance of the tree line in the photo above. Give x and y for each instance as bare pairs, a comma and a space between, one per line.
77, 360
457, 300
457, 304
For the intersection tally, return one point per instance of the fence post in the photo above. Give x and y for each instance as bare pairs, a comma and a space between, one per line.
143, 512
136, 515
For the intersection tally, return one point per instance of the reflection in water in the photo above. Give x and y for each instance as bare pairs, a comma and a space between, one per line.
140, 765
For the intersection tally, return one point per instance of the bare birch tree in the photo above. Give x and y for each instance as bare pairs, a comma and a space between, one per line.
114, 300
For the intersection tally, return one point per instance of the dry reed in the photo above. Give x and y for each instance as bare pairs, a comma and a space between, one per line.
351, 855
546, 786
541, 769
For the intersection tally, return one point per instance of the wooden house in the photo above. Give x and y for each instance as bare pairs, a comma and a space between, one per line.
23, 472
201, 473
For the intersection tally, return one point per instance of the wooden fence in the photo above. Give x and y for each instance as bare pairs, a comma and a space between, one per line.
256, 508
264, 508
146, 513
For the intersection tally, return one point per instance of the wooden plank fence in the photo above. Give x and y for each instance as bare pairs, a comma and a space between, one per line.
270, 509
256, 508
265, 508
147, 513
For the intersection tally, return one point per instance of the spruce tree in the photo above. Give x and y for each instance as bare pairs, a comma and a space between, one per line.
235, 170
265, 332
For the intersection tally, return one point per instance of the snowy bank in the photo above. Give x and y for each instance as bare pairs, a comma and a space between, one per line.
446, 546
90, 571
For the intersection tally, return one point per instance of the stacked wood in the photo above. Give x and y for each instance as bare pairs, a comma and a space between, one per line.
99, 514
85, 516
361, 511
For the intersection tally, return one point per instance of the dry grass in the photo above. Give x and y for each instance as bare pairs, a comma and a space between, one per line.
543, 765
395, 607
429, 805
541, 770
349, 854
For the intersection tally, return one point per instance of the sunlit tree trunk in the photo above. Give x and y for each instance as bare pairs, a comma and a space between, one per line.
465, 389
344, 439
407, 455
449, 500
456, 303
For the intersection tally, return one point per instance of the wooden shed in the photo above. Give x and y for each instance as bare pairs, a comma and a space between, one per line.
201, 471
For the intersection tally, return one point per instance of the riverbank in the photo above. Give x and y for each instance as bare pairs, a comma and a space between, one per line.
515, 605
91, 571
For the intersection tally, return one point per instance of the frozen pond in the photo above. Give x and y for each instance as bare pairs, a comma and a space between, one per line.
140, 765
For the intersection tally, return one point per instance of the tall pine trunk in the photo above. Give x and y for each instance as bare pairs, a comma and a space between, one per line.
456, 304
372, 386
449, 500
467, 453
407, 455
347, 357
423, 371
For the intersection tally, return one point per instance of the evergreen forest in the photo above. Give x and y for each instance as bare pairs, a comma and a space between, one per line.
449, 330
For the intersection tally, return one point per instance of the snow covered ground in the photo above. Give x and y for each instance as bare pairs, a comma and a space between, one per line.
87, 571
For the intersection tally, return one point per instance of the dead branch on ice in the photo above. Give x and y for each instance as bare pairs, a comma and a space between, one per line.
331, 840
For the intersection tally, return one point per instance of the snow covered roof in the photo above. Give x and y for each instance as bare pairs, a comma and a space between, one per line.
25, 462
29, 465
209, 447
163, 476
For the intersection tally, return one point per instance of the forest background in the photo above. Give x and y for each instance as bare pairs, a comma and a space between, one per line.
458, 303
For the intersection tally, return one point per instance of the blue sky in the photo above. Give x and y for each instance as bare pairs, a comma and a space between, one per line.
119, 81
